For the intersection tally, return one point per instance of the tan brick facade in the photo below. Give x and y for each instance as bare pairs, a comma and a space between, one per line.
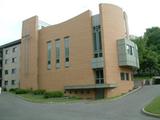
79, 75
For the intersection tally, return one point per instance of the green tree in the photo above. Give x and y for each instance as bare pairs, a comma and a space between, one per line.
149, 49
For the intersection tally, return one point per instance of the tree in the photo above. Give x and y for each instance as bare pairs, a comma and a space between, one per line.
148, 50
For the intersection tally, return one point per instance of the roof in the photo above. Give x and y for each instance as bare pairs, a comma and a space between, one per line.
16, 42
93, 86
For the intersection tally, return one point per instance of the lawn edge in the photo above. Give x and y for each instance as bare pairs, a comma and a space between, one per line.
150, 114
50, 102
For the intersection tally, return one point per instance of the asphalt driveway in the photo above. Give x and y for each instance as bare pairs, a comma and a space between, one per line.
126, 108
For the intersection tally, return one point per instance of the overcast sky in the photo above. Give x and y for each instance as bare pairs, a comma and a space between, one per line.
141, 13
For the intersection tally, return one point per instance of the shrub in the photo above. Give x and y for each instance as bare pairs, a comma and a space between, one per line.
29, 90
54, 94
39, 92
13, 89
4, 89
21, 91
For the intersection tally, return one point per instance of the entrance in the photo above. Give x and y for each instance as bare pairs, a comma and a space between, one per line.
99, 93
157, 81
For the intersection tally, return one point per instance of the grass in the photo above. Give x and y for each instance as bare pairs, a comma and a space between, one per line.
154, 106
40, 99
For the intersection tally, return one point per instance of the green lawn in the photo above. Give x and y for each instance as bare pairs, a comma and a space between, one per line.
40, 99
154, 106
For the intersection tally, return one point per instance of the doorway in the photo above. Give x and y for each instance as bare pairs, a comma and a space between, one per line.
99, 93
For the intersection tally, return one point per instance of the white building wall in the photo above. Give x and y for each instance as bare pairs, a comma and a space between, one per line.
11, 65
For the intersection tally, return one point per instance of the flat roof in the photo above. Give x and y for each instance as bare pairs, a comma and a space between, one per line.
16, 42
93, 86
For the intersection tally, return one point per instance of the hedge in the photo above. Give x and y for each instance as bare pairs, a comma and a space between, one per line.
54, 94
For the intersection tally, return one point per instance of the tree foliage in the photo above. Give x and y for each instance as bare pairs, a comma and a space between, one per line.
149, 52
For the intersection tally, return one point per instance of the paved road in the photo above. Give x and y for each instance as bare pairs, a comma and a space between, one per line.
127, 108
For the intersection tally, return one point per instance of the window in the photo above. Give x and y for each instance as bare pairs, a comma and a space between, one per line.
6, 52
122, 76
127, 76
129, 49
99, 76
97, 41
6, 61
82, 91
75, 91
5, 82
6, 72
87, 91
13, 82
13, 70
57, 53
49, 48
66, 47
14, 49
70, 91
13, 60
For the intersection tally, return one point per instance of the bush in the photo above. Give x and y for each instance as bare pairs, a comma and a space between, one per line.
4, 89
21, 91
39, 92
54, 94
13, 89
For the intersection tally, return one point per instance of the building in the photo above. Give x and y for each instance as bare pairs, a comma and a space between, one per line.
87, 56
10, 63
1, 55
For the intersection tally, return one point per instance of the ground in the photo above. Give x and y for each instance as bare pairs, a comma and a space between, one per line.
126, 108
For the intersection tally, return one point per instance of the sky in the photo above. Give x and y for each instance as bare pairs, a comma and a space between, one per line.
142, 14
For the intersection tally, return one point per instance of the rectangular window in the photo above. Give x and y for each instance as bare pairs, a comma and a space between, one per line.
14, 49
97, 41
49, 48
6, 72
129, 49
13, 60
6, 61
127, 76
122, 76
57, 53
5, 82
99, 76
6, 52
13, 82
67, 51
13, 70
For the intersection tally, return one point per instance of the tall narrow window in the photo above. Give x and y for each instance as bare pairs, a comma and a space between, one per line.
66, 46
49, 48
57, 53
6, 52
122, 76
97, 41
129, 49
99, 76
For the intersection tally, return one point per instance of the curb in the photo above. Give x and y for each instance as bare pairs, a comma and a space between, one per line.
113, 99
133, 91
150, 114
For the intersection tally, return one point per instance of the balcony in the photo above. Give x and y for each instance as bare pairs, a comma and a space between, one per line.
127, 53
98, 63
